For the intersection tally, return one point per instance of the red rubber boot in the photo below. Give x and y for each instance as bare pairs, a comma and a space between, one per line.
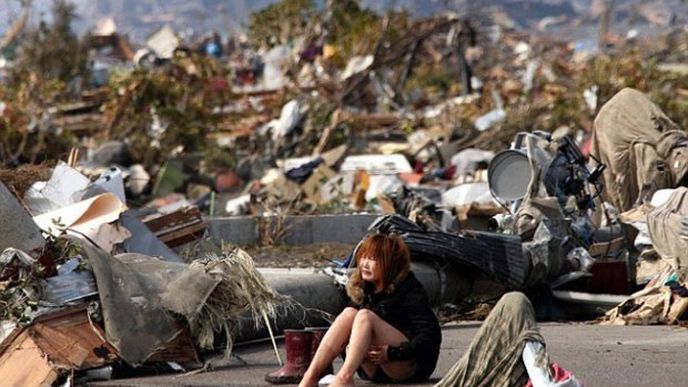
298, 348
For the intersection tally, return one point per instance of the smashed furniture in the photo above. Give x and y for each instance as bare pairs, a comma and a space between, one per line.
58, 342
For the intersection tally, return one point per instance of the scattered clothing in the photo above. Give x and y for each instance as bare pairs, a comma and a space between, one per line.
552, 376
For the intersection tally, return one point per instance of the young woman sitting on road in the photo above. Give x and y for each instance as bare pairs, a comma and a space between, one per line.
390, 334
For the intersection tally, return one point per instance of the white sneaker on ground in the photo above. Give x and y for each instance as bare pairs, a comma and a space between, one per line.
326, 380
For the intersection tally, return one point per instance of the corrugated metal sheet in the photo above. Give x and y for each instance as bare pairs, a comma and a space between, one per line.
499, 256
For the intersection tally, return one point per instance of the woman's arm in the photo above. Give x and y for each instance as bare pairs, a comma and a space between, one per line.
427, 336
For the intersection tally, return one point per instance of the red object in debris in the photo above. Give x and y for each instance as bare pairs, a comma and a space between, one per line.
227, 180
560, 374
586, 147
220, 85
610, 277
449, 172
411, 178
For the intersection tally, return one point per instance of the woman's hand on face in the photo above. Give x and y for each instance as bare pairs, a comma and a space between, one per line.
378, 354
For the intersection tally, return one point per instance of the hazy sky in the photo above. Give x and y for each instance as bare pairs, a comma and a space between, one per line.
137, 18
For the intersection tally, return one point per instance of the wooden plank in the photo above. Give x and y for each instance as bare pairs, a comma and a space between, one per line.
62, 350
604, 248
185, 215
24, 365
185, 235
69, 341
179, 227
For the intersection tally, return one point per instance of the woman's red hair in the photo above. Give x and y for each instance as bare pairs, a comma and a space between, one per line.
392, 256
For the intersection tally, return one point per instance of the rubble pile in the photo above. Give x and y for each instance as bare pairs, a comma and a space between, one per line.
504, 157
86, 284
238, 121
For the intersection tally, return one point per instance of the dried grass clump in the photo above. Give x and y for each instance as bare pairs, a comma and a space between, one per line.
242, 288
21, 178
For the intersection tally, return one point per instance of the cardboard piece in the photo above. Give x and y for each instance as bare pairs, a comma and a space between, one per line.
313, 186
24, 364
89, 217
61, 341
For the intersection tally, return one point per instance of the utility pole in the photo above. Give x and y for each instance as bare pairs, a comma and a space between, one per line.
605, 22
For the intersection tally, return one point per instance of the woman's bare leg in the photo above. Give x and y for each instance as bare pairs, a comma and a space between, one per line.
331, 345
369, 329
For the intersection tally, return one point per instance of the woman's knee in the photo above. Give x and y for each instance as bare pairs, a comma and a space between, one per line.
365, 316
348, 314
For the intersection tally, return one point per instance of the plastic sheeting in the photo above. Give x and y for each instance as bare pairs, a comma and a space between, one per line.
136, 293
17, 229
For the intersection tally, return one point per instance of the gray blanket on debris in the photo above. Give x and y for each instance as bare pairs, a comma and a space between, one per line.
664, 226
643, 149
137, 291
494, 357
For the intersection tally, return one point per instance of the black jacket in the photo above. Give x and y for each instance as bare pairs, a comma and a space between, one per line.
407, 309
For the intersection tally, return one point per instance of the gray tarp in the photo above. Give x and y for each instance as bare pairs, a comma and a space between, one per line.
643, 149
136, 293
17, 229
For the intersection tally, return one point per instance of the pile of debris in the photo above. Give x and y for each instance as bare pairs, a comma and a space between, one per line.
410, 121
89, 286
221, 123
585, 235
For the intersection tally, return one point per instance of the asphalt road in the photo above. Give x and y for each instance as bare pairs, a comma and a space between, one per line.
606, 356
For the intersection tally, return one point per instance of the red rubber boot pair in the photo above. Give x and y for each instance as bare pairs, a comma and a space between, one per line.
300, 347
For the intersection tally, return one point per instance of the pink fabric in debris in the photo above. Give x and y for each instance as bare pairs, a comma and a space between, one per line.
560, 374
